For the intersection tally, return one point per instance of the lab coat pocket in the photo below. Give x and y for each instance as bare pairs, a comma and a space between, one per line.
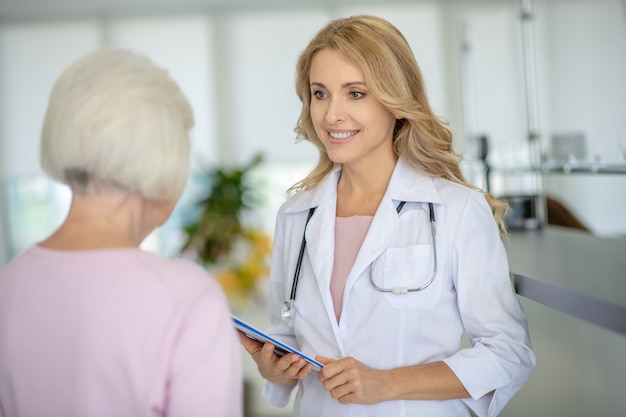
407, 269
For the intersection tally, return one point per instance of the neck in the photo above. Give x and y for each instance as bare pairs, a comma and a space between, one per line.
98, 221
361, 188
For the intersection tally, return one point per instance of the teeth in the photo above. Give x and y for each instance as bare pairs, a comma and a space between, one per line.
343, 135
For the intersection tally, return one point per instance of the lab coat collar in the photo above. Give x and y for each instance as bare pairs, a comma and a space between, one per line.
406, 184
323, 193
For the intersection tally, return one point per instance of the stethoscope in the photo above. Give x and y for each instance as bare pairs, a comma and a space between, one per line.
286, 307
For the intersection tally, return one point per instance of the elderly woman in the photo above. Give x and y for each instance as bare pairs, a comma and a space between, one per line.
90, 325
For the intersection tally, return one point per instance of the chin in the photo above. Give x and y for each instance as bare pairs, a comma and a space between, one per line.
340, 156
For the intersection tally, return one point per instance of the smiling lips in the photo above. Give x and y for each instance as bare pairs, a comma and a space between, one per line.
342, 135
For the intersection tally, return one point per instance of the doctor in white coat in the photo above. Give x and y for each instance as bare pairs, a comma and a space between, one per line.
385, 257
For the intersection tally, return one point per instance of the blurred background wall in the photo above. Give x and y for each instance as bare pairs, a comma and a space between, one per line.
235, 61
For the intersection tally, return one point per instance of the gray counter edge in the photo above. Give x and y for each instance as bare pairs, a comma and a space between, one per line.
598, 312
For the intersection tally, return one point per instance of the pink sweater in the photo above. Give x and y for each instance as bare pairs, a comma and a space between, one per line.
115, 332
350, 233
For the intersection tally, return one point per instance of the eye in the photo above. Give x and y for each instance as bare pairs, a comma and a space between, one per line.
319, 94
355, 95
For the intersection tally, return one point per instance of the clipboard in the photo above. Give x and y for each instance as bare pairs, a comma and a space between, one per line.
281, 348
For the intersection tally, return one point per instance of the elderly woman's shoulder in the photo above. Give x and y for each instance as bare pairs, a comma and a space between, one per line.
178, 276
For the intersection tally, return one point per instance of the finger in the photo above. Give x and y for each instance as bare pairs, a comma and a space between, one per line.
345, 389
267, 351
252, 346
349, 398
330, 368
304, 371
334, 382
341, 393
291, 364
324, 360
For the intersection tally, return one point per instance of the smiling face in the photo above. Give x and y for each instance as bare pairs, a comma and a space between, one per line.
353, 125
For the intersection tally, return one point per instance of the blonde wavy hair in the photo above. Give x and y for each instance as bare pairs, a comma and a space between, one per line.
393, 76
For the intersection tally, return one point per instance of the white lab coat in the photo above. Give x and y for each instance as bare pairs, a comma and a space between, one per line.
471, 293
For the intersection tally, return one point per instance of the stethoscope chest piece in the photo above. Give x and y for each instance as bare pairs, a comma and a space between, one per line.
286, 312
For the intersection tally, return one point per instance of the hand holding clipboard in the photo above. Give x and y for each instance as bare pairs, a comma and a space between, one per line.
280, 347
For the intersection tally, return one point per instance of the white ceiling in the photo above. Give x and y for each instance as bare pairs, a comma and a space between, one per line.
46, 9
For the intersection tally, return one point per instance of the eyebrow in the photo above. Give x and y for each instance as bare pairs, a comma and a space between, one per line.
344, 85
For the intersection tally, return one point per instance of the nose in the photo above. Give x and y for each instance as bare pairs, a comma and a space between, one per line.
335, 111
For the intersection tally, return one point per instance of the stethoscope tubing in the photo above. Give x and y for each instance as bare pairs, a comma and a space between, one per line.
404, 290
296, 275
287, 305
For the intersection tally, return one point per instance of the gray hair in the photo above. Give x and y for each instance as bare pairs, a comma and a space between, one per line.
116, 118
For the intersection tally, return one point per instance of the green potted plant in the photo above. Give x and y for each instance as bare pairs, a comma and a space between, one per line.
236, 254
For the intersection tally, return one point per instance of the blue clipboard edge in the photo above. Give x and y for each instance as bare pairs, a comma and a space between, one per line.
281, 348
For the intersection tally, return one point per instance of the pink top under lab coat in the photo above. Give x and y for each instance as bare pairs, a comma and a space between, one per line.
115, 332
